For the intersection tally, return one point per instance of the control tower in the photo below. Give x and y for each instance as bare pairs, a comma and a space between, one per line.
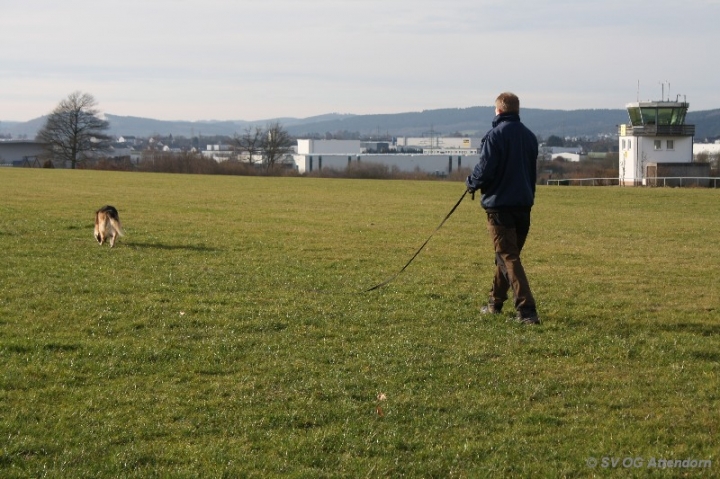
656, 139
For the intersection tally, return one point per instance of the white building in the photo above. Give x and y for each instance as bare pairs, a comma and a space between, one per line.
433, 164
218, 152
656, 135
573, 157
569, 153
314, 155
320, 147
439, 143
709, 148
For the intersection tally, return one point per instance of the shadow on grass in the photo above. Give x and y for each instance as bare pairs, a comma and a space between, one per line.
188, 247
694, 328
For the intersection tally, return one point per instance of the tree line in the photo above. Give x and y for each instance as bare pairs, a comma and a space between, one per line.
75, 134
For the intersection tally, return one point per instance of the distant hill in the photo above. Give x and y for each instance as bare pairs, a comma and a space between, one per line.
17, 129
472, 121
707, 124
475, 121
146, 127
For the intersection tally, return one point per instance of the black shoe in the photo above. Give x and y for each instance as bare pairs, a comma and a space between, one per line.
491, 309
529, 319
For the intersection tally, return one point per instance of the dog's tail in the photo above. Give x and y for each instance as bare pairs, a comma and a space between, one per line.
114, 218
118, 227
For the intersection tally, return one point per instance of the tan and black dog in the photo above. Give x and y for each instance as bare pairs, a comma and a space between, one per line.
107, 225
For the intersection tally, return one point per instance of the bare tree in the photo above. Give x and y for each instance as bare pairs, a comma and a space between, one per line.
276, 144
250, 142
74, 129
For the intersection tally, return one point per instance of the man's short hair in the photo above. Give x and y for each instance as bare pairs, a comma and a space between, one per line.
508, 103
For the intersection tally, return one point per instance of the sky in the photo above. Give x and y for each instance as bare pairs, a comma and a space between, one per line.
262, 59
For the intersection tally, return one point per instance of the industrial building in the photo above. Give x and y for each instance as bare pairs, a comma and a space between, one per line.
20, 152
313, 155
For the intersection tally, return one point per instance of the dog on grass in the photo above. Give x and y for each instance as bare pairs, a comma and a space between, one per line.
107, 225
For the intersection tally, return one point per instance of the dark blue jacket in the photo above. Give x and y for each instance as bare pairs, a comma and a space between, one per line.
507, 170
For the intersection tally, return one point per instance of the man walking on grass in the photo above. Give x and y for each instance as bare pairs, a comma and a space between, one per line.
506, 175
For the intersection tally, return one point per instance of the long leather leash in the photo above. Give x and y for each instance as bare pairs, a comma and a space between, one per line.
421, 247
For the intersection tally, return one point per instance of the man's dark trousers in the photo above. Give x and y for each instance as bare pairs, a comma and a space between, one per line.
509, 230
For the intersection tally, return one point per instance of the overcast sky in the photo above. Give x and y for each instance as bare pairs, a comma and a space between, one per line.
261, 59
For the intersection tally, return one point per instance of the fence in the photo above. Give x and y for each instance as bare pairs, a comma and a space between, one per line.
585, 182
669, 181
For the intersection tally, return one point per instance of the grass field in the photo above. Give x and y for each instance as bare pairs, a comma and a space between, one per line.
227, 335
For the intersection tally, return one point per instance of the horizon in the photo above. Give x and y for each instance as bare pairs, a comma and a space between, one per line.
330, 113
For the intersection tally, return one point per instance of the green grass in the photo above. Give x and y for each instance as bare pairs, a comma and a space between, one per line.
226, 334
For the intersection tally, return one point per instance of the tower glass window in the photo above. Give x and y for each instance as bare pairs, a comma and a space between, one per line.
635, 116
657, 113
649, 116
678, 116
665, 116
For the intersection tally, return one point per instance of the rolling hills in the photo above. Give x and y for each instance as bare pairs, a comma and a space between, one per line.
470, 121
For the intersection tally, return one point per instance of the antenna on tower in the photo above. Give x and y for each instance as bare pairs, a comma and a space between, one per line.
638, 92
662, 98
